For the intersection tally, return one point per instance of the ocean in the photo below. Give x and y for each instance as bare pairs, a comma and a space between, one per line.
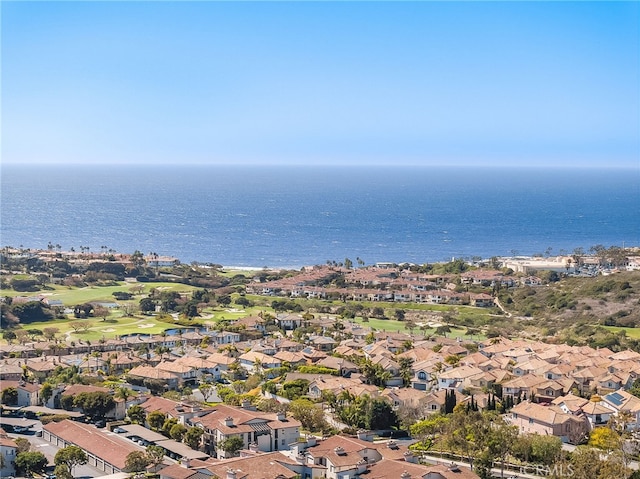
283, 217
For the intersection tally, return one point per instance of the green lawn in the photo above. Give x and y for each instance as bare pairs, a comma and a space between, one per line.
633, 333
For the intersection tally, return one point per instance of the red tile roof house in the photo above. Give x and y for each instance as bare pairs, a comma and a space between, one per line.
170, 379
548, 421
106, 452
271, 432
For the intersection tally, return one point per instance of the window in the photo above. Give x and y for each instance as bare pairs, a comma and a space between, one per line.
422, 375
530, 421
283, 442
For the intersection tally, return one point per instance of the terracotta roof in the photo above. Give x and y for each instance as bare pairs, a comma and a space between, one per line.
544, 414
111, 448
387, 469
263, 466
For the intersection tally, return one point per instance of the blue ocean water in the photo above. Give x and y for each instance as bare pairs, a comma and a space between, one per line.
296, 216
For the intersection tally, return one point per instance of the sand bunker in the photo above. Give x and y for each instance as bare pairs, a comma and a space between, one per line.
146, 325
108, 330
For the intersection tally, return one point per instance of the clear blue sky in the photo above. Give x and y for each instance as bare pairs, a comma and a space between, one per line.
445, 83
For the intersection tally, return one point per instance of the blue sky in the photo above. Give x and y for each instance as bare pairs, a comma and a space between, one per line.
425, 83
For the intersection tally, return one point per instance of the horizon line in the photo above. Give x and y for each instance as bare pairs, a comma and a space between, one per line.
329, 165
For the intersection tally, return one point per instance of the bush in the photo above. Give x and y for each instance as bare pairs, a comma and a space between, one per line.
53, 418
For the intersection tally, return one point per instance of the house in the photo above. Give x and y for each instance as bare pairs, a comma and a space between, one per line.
622, 402
139, 374
270, 432
40, 368
343, 366
289, 321
390, 469
521, 388
323, 343
185, 373
404, 397
224, 337
548, 421
253, 361
337, 385
294, 358
8, 452
10, 371
343, 456
481, 300
200, 367
435, 400
458, 378
28, 393
268, 465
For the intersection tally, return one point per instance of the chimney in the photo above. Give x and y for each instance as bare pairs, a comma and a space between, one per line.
410, 457
405, 475
231, 474
184, 462
281, 416
228, 421
253, 447
246, 404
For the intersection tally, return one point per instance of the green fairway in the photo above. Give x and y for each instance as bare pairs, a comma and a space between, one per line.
71, 296
99, 329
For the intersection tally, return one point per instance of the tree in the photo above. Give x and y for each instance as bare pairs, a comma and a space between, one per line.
309, 414
101, 312
50, 333
177, 432
156, 420
605, 438
95, 404
29, 462
231, 445
9, 396
147, 305
46, 391
168, 424
192, 437
428, 429
23, 445
206, 390
545, 449
381, 415
62, 471
137, 414
406, 372
71, 456
9, 336
136, 461
155, 454
501, 438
